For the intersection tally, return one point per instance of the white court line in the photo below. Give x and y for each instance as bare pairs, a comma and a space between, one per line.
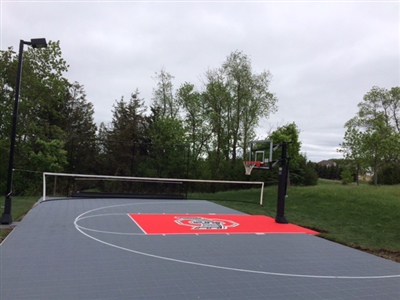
137, 224
104, 231
82, 217
209, 265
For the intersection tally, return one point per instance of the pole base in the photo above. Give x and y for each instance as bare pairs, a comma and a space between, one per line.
6, 219
281, 220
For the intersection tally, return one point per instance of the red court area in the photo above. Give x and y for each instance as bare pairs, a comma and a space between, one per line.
213, 224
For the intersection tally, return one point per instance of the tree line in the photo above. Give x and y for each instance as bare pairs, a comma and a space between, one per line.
371, 143
186, 132
372, 139
330, 171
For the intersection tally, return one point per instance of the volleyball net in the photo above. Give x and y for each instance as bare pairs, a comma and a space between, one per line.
107, 186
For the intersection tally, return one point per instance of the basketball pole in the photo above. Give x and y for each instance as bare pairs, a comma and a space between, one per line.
282, 186
283, 175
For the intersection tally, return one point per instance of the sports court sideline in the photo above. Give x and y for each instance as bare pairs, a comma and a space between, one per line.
125, 249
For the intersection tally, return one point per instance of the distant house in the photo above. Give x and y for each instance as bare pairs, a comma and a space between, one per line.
327, 163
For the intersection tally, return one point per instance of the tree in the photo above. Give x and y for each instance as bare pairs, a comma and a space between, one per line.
43, 156
288, 133
389, 174
126, 131
163, 95
251, 98
42, 100
7, 82
43, 93
235, 99
377, 143
309, 174
346, 177
167, 150
195, 121
80, 131
352, 149
218, 115
372, 136
301, 172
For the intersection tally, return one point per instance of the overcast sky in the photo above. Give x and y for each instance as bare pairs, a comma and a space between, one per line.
323, 57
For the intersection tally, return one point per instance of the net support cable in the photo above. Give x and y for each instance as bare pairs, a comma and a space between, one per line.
128, 178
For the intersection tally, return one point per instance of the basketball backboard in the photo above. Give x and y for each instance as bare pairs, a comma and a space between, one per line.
261, 152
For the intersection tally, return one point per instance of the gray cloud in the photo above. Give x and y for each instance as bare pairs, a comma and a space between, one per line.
323, 57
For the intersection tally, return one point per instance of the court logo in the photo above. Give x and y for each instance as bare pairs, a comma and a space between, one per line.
200, 223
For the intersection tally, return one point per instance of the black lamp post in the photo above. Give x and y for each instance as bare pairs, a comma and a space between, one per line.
6, 218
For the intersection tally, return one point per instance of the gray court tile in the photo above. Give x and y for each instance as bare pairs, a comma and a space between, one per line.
90, 249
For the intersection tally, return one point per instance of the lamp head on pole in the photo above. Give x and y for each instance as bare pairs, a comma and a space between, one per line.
38, 43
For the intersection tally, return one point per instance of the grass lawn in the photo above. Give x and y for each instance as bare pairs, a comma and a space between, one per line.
364, 217
20, 206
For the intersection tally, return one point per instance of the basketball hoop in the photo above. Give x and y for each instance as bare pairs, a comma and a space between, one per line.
249, 165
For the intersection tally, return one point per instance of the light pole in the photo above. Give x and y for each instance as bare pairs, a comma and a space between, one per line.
6, 218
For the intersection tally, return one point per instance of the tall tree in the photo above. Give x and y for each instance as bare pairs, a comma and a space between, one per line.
352, 149
43, 93
251, 98
80, 131
373, 135
167, 150
195, 121
163, 95
288, 133
218, 103
125, 132
393, 107
42, 100
7, 83
301, 172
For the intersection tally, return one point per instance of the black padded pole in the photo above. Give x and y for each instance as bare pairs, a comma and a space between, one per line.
282, 186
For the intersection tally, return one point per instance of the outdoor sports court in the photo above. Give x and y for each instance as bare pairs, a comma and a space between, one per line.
179, 249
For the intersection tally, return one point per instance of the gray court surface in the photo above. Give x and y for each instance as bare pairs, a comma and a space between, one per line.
91, 249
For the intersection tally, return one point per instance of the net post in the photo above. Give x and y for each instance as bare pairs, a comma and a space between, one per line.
44, 187
262, 194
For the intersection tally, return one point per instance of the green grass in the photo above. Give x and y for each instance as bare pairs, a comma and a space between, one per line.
19, 207
365, 216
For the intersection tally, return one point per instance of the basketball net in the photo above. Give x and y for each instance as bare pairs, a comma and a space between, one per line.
248, 166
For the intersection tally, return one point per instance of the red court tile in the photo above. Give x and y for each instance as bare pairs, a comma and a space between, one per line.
212, 224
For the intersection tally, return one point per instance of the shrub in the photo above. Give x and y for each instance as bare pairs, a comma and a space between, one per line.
346, 176
389, 174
